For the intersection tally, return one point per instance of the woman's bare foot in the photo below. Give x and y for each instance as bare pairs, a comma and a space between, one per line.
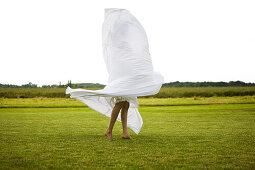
108, 134
126, 136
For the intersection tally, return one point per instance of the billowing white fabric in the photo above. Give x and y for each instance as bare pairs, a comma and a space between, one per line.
129, 64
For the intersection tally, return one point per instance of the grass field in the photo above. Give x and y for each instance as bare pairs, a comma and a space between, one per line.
165, 92
189, 133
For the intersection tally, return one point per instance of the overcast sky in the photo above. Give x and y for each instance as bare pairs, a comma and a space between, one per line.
45, 42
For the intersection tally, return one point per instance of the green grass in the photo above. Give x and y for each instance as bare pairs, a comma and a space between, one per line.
173, 92
186, 135
69, 102
165, 92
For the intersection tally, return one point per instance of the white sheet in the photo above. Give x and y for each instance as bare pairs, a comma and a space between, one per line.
128, 61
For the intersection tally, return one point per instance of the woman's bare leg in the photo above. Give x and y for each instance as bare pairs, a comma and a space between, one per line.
124, 111
114, 115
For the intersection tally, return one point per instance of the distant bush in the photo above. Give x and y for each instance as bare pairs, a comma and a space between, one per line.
209, 84
70, 84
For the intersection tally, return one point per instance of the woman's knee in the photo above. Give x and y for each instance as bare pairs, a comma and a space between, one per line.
125, 105
119, 105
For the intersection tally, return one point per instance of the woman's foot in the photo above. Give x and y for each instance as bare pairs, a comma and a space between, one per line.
108, 134
126, 136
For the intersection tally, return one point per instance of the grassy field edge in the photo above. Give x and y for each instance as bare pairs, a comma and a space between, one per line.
74, 103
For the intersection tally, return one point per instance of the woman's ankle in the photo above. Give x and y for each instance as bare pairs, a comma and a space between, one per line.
108, 131
125, 132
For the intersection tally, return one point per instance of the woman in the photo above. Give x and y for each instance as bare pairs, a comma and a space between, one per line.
129, 65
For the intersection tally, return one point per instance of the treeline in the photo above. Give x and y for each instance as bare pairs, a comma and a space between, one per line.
209, 84
70, 84
29, 85
170, 84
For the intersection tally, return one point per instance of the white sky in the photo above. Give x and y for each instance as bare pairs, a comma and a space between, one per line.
45, 42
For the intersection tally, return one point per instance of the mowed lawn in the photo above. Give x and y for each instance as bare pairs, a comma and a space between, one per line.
195, 136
